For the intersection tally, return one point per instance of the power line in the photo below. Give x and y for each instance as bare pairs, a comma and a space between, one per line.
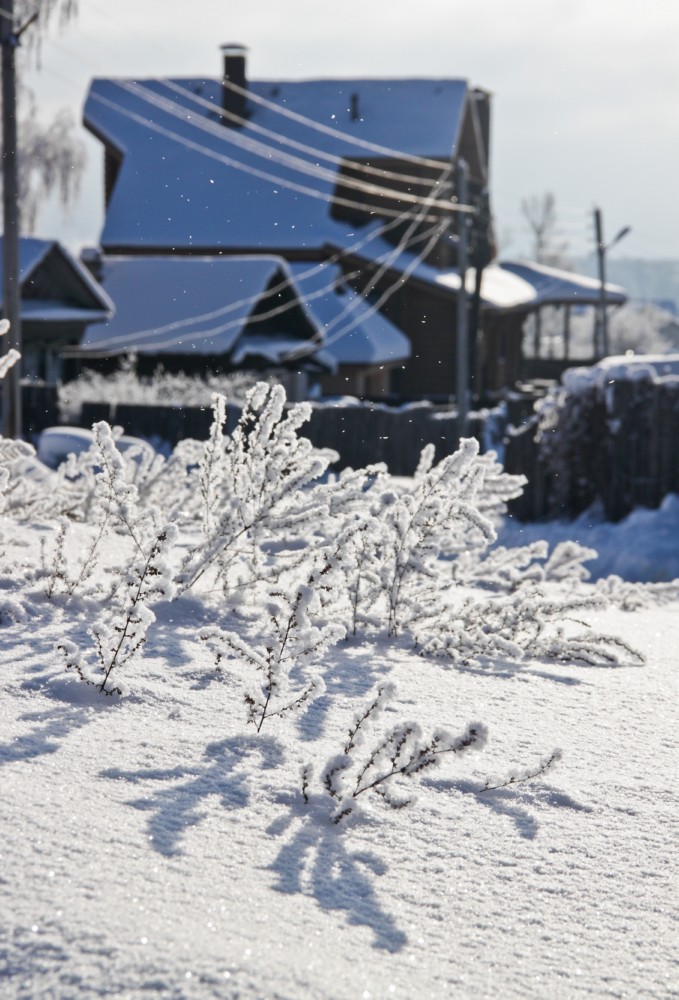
285, 140
106, 345
375, 306
268, 152
245, 168
336, 133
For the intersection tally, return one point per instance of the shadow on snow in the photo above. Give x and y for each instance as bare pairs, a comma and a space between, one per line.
176, 794
317, 863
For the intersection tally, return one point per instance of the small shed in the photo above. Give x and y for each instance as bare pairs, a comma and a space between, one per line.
59, 300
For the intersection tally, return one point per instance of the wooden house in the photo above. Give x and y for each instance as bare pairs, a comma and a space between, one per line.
359, 175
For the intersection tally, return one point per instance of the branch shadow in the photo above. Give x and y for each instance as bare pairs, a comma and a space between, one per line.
175, 807
316, 863
503, 670
175, 636
504, 801
51, 728
352, 671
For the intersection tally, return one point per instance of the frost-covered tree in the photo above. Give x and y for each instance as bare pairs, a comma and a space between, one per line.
51, 157
540, 214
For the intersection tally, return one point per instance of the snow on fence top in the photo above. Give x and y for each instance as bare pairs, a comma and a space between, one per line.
623, 368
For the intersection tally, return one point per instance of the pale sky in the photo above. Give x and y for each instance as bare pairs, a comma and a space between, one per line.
585, 92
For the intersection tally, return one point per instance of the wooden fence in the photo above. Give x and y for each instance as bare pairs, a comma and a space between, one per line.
618, 444
361, 435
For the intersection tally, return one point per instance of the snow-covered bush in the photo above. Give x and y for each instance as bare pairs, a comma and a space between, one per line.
571, 433
398, 755
119, 633
254, 486
528, 625
392, 557
292, 633
163, 388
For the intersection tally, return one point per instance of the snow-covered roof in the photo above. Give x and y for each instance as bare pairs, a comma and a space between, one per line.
192, 305
623, 368
33, 252
53, 311
553, 285
186, 180
355, 334
505, 285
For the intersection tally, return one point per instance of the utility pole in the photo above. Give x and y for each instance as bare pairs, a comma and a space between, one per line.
480, 258
601, 335
462, 343
601, 338
10, 206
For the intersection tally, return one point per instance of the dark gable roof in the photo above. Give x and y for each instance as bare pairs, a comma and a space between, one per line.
56, 286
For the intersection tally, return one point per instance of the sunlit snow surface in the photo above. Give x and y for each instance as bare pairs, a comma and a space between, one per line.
155, 846
644, 546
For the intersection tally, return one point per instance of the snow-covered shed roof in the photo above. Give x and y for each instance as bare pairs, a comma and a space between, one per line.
75, 295
355, 333
187, 180
553, 285
505, 285
199, 306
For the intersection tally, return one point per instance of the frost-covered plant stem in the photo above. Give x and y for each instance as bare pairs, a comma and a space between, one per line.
403, 752
518, 777
117, 640
297, 634
255, 484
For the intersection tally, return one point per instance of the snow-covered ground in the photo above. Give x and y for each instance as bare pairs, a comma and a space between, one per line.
156, 844
644, 547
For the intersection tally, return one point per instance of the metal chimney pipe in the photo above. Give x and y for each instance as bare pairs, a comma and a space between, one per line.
233, 100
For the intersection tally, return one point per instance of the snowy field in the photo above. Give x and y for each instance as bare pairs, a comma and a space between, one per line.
172, 841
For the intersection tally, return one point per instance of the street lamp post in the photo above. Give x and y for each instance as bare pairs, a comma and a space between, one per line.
601, 339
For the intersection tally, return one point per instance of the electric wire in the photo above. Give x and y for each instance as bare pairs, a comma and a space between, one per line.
269, 153
245, 168
288, 283
282, 139
336, 133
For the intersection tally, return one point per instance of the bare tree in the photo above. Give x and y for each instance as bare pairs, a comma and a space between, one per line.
539, 211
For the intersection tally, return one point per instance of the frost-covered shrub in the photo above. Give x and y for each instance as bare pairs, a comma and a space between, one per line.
162, 388
632, 596
391, 557
571, 439
254, 486
528, 625
119, 634
292, 633
8, 360
387, 768
508, 569
112, 505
